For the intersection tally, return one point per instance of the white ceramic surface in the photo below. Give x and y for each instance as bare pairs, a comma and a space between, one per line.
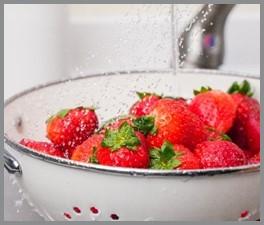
130, 197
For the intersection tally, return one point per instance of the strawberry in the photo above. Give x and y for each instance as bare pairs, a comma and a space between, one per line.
254, 159
43, 147
70, 127
144, 105
171, 156
215, 108
174, 122
246, 129
214, 154
86, 151
123, 147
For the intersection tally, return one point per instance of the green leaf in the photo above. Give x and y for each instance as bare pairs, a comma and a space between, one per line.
167, 152
145, 124
233, 88
62, 113
243, 88
202, 90
124, 136
142, 95
165, 157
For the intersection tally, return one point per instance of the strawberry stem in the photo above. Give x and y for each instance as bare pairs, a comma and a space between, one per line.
142, 95
202, 90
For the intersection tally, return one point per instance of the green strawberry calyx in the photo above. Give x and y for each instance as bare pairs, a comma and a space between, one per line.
145, 124
202, 90
165, 158
243, 88
61, 114
124, 136
142, 95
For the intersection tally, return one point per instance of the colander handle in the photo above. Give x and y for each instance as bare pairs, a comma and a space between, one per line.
11, 164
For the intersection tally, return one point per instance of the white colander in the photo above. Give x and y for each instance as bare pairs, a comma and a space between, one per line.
66, 190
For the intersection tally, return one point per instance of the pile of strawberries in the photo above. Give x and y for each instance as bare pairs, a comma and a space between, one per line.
214, 129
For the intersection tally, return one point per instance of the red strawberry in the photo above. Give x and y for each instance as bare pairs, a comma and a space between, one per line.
123, 147
237, 98
215, 154
215, 108
175, 123
86, 151
246, 129
247, 125
70, 127
144, 105
171, 156
187, 158
255, 159
41, 146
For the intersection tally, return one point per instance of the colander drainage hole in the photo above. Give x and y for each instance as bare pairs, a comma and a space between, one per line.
67, 216
114, 217
77, 210
94, 210
244, 214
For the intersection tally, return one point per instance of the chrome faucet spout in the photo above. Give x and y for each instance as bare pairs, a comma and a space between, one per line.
202, 42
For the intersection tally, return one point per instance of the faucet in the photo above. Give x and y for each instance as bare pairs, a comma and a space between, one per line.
202, 42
